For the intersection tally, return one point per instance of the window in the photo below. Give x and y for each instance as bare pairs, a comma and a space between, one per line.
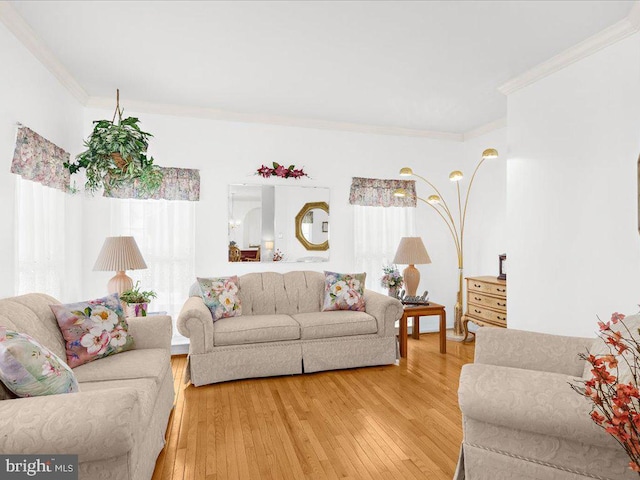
165, 233
377, 233
40, 239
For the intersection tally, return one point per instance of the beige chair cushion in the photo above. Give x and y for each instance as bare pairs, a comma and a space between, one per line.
340, 323
282, 294
148, 363
255, 329
32, 315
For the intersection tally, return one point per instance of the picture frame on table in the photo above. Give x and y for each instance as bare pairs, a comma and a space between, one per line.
502, 267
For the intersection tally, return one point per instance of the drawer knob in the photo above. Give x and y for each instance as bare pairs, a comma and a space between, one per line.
476, 298
501, 289
500, 318
502, 304
477, 311
476, 285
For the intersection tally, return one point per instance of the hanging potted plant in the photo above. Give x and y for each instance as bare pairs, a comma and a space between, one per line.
116, 155
136, 302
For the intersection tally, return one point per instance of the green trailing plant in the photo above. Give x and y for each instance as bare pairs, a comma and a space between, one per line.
116, 156
135, 295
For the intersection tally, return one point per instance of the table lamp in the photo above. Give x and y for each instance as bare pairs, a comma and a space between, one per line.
119, 254
411, 252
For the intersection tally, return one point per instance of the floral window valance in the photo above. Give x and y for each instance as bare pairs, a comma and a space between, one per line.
39, 160
177, 184
374, 192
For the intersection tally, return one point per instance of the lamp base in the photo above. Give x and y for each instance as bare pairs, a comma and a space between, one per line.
119, 283
411, 276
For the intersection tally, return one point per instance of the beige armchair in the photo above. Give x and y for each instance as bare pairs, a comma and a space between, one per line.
521, 420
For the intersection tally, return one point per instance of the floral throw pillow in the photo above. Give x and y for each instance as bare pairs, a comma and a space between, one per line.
28, 369
221, 296
93, 329
344, 291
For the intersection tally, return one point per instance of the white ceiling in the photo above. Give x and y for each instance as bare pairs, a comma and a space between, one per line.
418, 65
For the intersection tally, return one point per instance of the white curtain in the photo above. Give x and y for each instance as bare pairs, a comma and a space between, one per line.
165, 233
377, 233
40, 239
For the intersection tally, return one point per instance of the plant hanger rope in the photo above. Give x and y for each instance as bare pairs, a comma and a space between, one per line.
119, 110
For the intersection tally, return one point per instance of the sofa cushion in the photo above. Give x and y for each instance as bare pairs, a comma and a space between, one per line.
255, 329
340, 323
344, 291
29, 369
93, 329
220, 295
148, 363
283, 294
32, 315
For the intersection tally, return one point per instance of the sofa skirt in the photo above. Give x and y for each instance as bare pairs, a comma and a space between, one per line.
234, 362
348, 352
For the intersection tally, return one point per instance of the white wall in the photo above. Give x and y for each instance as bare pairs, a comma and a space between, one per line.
228, 152
573, 243
29, 94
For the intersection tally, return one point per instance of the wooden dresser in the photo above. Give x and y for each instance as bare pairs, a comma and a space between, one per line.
486, 303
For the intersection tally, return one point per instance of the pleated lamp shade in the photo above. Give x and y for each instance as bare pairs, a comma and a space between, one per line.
411, 251
119, 254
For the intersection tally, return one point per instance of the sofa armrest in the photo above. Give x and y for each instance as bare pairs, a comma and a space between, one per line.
94, 425
529, 401
196, 323
154, 331
530, 350
386, 310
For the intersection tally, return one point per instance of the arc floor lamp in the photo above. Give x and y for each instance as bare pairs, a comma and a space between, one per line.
438, 203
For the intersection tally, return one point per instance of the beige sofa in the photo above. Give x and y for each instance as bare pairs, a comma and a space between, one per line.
282, 331
117, 422
521, 420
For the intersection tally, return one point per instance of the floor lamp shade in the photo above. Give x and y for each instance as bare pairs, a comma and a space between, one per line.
411, 251
119, 254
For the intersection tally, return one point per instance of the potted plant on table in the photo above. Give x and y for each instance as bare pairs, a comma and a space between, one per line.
116, 155
136, 302
392, 279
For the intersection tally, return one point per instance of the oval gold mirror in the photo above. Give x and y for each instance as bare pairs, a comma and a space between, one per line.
312, 226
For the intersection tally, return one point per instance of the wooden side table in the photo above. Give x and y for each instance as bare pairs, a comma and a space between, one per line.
416, 311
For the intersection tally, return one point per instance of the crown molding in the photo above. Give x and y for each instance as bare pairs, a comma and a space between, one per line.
281, 120
25, 34
483, 129
610, 35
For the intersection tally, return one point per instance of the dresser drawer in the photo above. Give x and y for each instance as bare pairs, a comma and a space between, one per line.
495, 303
476, 285
498, 318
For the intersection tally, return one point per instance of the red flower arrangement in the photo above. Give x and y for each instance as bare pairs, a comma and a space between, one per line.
616, 403
281, 171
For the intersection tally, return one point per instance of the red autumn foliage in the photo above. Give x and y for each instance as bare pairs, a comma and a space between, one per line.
616, 403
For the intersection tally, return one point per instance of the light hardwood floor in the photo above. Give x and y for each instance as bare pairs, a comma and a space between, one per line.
392, 422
